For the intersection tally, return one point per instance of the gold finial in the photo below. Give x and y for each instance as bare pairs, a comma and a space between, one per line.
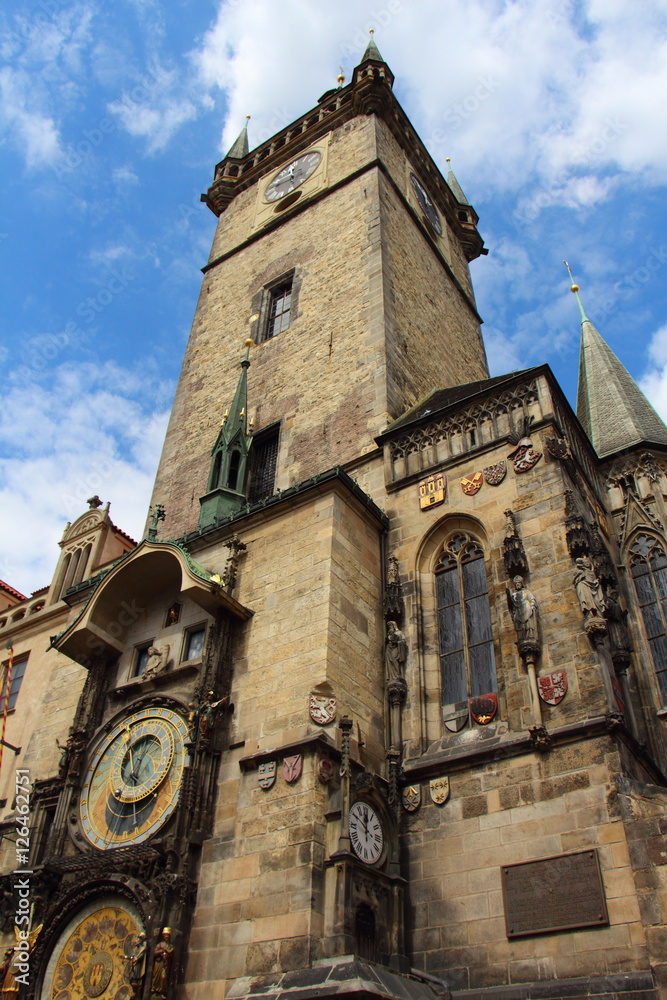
573, 287
340, 78
448, 159
251, 423
224, 418
371, 31
249, 342
248, 117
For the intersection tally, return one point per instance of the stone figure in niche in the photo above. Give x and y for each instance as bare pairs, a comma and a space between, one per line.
617, 625
164, 954
157, 662
589, 589
207, 714
137, 964
522, 605
396, 652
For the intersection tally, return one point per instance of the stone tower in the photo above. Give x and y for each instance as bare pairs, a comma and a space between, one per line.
378, 708
343, 252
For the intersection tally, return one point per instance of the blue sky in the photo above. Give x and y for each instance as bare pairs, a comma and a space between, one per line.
112, 117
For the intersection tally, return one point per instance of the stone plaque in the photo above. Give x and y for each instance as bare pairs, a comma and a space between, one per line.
554, 894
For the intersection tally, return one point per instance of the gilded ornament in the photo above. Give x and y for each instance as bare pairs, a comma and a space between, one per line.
439, 790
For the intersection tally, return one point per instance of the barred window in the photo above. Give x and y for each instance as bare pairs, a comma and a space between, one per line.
648, 565
467, 659
263, 462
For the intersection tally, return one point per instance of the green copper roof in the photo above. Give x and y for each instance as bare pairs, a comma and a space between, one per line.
372, 52
240, 147
613, 410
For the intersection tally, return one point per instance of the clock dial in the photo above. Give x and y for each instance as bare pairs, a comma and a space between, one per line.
133, 779
366, 833
426, 205
291, 176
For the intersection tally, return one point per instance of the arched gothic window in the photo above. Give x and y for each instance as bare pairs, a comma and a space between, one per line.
467, 661
648, 565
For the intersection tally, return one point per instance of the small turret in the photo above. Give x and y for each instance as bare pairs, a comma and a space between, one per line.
229, 459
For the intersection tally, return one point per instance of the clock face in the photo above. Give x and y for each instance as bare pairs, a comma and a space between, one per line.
133, 779
365, 832
426, 205
291, 176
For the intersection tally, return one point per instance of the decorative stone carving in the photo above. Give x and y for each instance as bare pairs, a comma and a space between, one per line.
236, 547
395, 652
552, 687
540, 738
560, 449
412, 798
523, 608
394, 607
576, 529
513, 551
604, 568
589, 589
439, 788
619, 636
158, 660
524, 456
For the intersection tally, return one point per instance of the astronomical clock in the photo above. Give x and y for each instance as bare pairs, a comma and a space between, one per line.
120, 827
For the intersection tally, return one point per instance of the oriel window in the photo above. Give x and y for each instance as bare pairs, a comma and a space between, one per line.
467, 659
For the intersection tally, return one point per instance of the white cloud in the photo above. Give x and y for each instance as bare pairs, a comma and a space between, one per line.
532, 97
42, 83
98, 430
654, 382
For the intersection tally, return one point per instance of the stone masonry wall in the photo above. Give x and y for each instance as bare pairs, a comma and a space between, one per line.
508, 812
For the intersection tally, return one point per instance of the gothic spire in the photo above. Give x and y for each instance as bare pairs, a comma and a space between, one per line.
612, 409
372, 51
240, 147
455, 187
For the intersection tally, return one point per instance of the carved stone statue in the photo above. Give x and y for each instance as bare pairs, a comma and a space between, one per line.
395, 653
392, 571
158, 658
522, 605
589, 589
618, 630
236, 547
164, 954
137, 964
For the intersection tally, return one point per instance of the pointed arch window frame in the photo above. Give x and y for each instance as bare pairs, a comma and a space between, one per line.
653, 613
464, 620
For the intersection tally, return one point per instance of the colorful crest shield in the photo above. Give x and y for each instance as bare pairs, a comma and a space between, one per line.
524, 458
432, 491
553, 687
267, 774
322, 709
292, 768
483, 708
456, 717
473, 484
494, 474
439, 790
412, 798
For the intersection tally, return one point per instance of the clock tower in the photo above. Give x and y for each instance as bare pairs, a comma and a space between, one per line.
343, 253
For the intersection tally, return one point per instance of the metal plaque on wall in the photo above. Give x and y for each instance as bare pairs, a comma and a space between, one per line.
554, 894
